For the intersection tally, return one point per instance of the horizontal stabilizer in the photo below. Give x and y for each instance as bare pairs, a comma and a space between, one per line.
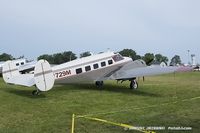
22, 79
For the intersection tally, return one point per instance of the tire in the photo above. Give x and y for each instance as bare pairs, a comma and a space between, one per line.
99, 83
34, 92
133, 84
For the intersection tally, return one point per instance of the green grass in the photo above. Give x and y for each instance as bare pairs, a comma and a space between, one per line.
52, 111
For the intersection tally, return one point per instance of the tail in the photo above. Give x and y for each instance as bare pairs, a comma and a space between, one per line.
43, 76
9, 70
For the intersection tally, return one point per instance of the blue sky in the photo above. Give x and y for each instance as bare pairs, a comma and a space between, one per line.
35, 27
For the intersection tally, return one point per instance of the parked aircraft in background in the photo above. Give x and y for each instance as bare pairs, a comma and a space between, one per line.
95, 68
21, 64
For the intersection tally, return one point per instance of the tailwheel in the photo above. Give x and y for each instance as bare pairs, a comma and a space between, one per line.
36, 92
133, 84
99, 83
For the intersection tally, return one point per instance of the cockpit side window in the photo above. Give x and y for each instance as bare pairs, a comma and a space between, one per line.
117, 57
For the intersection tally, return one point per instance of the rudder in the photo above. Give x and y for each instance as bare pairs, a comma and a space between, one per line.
43, 75
9, 70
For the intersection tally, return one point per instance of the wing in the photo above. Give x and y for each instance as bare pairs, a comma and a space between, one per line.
132, 70
122, 70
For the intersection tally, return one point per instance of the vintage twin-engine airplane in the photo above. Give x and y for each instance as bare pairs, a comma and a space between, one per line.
97, 68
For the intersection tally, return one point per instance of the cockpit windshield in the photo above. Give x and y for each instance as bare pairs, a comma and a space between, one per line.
117, 57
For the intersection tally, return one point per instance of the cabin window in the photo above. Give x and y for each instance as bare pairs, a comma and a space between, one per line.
22, 63
79, 70
117, 58
87, 68
103, 64
17, 64
96, 66
110, 62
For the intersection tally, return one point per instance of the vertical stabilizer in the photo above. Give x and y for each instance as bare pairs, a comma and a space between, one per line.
9, 70
43, 75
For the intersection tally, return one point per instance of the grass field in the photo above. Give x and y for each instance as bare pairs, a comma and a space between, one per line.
51, 112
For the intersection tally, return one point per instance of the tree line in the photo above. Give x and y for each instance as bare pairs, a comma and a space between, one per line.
67, 56
5, 57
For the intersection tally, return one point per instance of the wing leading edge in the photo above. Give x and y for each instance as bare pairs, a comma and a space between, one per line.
133, 71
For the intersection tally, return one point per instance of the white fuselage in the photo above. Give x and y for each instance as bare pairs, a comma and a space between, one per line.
88, 69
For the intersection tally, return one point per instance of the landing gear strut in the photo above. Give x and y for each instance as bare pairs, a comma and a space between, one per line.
36, 92
133, 84
99, 83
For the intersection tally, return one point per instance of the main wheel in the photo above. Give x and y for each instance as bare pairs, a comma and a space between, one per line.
99, 83
133, 84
